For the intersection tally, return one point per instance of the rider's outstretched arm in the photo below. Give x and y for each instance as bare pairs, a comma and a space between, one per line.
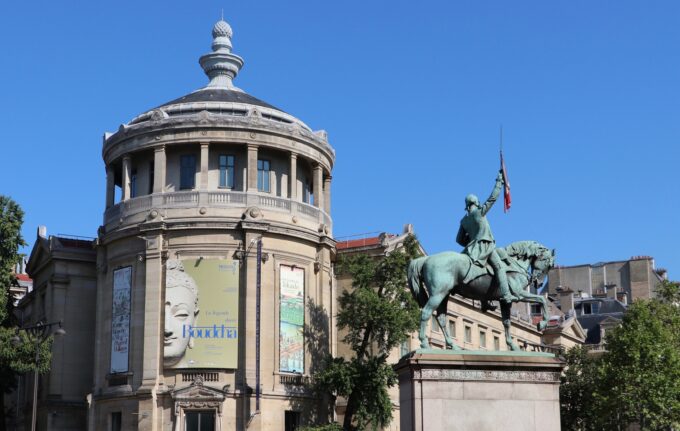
494, 194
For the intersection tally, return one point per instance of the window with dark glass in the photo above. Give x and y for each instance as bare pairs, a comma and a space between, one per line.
306, 193
496, 343
292, 420
263, 170
199, 420
133, 183
187, 172
227, 171
116, 421
482, 339
151, 174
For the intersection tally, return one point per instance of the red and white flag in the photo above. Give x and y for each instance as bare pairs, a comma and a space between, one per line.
507, 199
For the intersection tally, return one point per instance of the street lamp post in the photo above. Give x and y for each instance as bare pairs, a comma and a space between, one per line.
40, 333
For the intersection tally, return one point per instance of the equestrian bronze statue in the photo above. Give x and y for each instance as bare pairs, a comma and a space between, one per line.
482, 272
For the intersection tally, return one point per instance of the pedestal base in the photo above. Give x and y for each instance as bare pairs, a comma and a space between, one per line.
479, 391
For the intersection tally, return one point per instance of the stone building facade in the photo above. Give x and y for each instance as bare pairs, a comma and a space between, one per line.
215, 245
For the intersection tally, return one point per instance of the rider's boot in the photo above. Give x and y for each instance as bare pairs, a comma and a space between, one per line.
506, 296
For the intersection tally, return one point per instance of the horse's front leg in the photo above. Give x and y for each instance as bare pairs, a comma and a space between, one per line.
505, 315
538, 299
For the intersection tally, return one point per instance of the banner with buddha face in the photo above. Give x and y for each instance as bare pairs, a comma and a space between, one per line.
201, 313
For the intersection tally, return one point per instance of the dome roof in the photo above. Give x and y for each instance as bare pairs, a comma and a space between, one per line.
219, 96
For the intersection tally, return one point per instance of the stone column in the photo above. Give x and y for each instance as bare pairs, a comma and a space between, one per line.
153, 322
159, 161
327, 194
126, 178
292, 177
318, 186
110, 187
252, 168
205, 147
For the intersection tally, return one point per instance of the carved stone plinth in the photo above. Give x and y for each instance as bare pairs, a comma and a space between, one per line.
479, 390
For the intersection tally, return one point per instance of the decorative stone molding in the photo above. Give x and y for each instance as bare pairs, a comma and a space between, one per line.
487, 375
198, 396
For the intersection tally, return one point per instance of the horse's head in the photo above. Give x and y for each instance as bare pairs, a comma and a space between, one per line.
543, 260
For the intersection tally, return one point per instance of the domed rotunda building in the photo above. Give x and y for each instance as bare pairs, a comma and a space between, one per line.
215, 290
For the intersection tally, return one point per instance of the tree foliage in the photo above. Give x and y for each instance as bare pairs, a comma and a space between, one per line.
17, 348
579, 380
378, 314
637, 380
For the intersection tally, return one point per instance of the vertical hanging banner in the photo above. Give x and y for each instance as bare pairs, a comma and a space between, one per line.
292, 319
201, 313
120, 320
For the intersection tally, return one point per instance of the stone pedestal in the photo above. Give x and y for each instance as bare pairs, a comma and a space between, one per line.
479, 391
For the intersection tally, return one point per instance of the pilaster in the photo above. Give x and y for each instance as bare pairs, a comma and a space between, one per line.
126, 178
318, 186
292, 177
252, 168
205, 154
327, 194
159, 169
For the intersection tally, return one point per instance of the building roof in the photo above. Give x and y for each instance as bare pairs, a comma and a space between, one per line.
357, 243
219, 95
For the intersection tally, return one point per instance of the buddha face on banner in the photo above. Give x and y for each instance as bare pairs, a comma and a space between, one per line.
204, 336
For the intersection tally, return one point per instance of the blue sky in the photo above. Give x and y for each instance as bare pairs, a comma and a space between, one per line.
411, 93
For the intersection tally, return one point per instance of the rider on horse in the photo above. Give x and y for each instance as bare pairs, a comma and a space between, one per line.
475, 235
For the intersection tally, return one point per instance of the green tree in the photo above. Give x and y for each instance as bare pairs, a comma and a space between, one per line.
580, 380
378, 315
15, 357
641, 369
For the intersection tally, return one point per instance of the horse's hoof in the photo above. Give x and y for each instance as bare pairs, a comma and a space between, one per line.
541, 325
424, 345
514, 347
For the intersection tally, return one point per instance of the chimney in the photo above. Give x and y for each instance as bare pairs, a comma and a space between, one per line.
611, 291
566, 300
42, 231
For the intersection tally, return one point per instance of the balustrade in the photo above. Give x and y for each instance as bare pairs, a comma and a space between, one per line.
193, 199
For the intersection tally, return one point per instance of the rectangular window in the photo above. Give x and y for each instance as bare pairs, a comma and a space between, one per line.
199, 421
468, 334
151, 175
187, 172
263, 170
496, 343
306, 193
452, 328
587, 308
226, 171
292, 420
434, 324
482, 339
536, 309
133, 183
116, 421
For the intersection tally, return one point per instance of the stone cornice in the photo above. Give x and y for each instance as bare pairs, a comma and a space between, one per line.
217, 128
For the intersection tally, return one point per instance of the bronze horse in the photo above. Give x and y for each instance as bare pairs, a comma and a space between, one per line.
453, 273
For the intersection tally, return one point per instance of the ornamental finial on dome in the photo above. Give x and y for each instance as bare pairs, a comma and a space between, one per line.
221, 65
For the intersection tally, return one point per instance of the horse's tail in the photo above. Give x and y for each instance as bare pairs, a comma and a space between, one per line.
414, 283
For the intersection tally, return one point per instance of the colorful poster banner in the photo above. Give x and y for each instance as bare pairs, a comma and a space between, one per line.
120, 320
292, 319
201, 313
